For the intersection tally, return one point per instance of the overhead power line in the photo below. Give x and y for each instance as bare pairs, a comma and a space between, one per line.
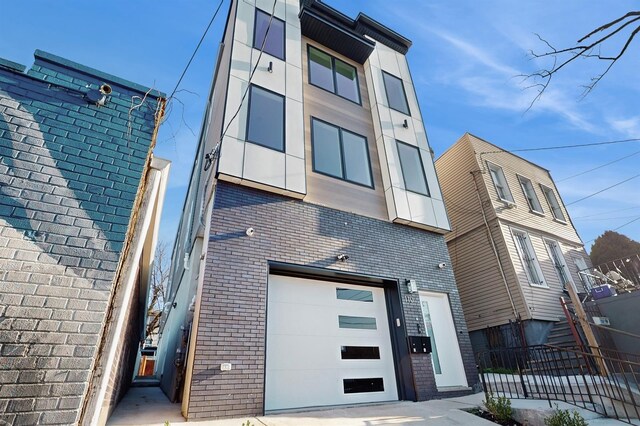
615, 229
196, 49
607, 212
602, 190
600, 166
547, 148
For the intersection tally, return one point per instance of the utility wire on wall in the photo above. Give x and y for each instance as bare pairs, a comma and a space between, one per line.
210, 156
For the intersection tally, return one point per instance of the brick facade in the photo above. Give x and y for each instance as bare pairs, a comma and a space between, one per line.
233, 305
69, 174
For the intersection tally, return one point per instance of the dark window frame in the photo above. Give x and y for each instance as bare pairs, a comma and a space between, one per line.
351, 352
284, 119
424, 175
343, 165
284, 34
357, 385
333, 73
404, 93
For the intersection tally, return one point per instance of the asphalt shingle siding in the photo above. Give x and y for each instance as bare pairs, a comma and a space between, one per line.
69, 173
233, 305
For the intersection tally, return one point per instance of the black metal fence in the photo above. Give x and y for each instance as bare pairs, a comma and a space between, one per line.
606, 383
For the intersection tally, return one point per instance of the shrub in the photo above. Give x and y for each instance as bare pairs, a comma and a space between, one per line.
500, 407
565, 418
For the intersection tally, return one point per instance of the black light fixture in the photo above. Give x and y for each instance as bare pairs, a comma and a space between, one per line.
270, 67
405, 124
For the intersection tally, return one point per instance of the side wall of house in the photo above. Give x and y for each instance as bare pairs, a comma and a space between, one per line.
69, 174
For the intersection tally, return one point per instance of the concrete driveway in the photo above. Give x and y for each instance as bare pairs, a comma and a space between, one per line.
149, 406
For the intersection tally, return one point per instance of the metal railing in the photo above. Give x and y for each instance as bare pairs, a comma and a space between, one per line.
622, 274
607, 384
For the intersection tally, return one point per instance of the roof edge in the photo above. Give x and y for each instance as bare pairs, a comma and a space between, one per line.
66, 63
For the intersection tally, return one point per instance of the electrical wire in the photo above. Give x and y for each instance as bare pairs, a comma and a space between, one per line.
196, 50
547, 148
602, 190
607, 212
600, 166
615, 229
244, 95
210, 156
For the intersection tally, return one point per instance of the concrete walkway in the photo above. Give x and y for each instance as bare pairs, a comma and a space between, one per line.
149, 406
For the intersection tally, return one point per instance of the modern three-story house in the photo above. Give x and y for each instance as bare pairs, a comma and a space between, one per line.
310, 267
513, 246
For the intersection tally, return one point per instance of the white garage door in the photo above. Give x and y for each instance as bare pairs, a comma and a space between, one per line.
327, 344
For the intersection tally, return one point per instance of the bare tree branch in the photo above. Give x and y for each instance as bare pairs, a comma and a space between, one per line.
158, 283
585, 47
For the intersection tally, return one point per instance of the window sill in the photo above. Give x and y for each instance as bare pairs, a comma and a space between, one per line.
537, 213
539, 285
564, 222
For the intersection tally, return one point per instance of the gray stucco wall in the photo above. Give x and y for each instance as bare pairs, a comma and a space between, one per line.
233, 303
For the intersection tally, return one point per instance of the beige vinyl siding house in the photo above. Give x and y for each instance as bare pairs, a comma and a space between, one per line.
520, 272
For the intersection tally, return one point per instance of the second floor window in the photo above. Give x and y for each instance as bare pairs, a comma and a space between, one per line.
412, 169
500, 182
396, 96
334, 75
274, 43
530, 194
265, 123
556, 210
341, 154
528, 258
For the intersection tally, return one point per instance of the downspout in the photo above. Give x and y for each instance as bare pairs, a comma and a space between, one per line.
493, 246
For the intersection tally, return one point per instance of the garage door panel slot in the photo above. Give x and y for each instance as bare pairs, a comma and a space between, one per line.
363, 385
361, 323
355, 295
360, 352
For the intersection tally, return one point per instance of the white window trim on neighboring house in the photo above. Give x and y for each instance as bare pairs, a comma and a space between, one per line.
500, 182
587, 281
559, 263
530, 195
528, 258
554, 204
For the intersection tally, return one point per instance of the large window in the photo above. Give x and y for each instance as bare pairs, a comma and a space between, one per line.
553, 203
412, 169
334, 75
274, 43
396, 95
265, 123
530, 194
340, 153
528, 258
497, 175
555, 253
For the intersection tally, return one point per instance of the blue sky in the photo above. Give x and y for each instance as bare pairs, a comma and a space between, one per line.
465, 60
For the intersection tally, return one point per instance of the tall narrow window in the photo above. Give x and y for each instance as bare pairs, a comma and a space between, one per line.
265, 123
556, 210
555, 253
340, 153
499, 181
530, 194
412, 169
585, 274
528, 258
396, 96
334, 75
274, 43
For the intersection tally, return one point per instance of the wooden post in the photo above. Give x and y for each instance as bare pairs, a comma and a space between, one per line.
588, 331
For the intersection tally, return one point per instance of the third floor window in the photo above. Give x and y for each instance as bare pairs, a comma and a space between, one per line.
274, 43
412, 169
334, 75
500, 182
396, 96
